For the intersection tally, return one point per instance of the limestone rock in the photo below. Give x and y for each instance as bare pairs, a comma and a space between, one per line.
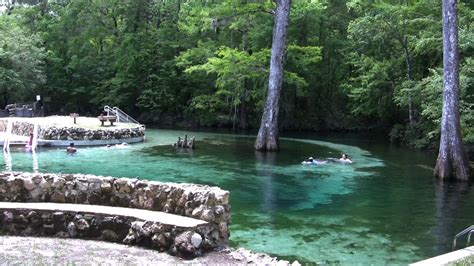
196, 240
161, 240
109, 235
207, 216
82, 225
29, 184
71, 229
184, 246
81, 186
7, 217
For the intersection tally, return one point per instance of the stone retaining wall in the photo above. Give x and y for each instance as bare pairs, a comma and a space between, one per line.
50, 132
180, 241
210, 204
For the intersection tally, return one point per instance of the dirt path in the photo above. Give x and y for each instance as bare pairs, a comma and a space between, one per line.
54, 251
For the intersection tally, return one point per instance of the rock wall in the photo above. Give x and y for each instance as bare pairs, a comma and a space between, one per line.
75, 133
210, 204
177, 240
49, 132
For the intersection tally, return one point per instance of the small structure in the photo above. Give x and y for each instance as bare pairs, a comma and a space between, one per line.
74, 115
18, 110
184, 143
110, 118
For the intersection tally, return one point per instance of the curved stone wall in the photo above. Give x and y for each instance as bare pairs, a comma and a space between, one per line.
71, 133
210, 204
60, 136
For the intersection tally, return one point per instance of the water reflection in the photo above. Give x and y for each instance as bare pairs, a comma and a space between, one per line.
450, 197
265, 164
35, 161
8, 160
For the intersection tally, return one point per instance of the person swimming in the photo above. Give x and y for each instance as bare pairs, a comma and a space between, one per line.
71, 148
311, 160
122, 145
345, 159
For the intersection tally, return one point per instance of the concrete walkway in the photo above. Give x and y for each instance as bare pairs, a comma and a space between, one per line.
146, 215
465, 255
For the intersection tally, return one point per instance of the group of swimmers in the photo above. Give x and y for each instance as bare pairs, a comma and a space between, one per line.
344, 159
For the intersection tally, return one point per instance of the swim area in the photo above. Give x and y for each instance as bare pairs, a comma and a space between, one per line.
385, 208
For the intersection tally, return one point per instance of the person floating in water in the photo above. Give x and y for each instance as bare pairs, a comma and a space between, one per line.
122, 145
311, 160
71, 148
345, 159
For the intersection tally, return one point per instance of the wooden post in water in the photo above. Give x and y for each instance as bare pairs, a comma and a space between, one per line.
184, 143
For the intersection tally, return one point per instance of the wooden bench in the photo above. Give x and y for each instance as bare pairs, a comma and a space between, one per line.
110, 118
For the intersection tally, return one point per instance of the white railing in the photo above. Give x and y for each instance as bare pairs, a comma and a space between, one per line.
34, 141
8, 133
122, 117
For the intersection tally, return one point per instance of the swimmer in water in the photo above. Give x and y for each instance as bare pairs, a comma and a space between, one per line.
345, 159
71, 148
122, 145
311, 160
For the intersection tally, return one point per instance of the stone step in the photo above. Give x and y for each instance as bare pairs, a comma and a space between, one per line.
145, 215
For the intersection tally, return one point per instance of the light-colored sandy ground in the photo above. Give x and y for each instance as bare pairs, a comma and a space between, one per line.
66, 121
54, 251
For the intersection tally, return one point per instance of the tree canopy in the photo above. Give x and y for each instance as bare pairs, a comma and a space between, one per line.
350, 64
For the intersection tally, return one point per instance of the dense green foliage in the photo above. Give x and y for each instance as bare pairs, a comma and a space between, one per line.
351, 64
21, 61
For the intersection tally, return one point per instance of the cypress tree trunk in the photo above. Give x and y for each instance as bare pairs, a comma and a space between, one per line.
452, 162
267, 138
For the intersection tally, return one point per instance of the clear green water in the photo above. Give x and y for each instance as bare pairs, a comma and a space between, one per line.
383, 209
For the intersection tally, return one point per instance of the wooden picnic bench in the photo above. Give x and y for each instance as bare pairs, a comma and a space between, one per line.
110, 118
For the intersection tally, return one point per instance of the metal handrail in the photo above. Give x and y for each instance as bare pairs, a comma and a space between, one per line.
108, 110
121, 115
468, 231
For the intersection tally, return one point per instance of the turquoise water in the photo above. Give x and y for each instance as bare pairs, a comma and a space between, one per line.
384, 208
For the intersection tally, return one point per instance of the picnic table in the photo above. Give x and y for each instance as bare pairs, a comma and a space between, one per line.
110, 118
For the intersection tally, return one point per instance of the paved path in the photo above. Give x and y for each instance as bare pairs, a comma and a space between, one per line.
153, 216
463, 256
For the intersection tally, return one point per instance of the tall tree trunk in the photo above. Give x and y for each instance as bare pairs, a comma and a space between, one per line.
452, 159
267, 138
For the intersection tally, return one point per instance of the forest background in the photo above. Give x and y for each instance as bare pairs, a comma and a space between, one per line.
351, 65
